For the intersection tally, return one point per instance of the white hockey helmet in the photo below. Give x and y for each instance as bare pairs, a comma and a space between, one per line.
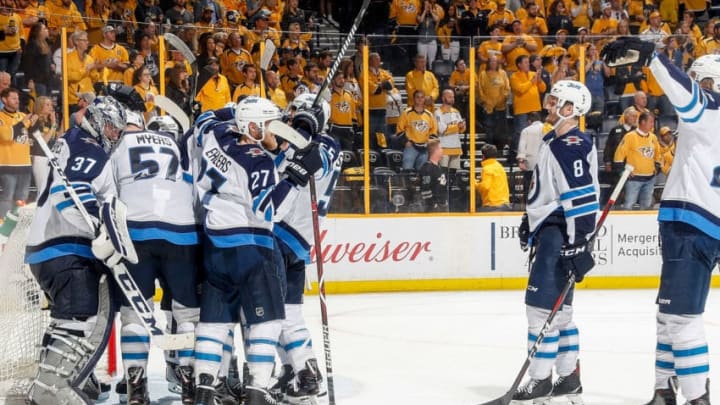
134, 118
255, 110
706, 67
104, 119
304, 102
572, 91
165, 123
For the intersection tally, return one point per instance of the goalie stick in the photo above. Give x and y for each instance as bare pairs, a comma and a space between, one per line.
189, 56
507, 398
120, 272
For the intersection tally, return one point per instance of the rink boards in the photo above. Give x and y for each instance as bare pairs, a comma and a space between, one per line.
432, 253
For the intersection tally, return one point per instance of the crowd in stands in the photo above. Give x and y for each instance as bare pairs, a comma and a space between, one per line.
419, 87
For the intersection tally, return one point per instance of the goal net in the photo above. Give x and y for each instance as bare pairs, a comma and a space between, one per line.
23, 316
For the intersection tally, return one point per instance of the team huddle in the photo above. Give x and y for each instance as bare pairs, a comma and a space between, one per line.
219, 216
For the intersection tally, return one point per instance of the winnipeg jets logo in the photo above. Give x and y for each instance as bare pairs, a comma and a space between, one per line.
572, 140
421, 125
254, 152
647, 151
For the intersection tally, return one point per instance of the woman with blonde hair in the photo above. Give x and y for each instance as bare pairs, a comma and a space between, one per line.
46, 124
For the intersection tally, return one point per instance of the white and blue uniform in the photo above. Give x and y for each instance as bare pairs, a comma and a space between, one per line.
59, 240
562, 208
161, 222
242, 196
689, 231
295, 233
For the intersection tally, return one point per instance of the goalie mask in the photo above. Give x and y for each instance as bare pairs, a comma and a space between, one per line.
104, 120
705, 68
165, 123
253, 113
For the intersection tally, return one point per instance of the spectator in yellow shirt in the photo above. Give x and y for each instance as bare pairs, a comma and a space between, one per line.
10, 45
516, 45
420, 79
491, 47
214, 91
142, 83
343, 121
493, 92
417, 124
15, 165
112, 59
64, 14
526, 89
501, 16
81, 70
460, 82
493, 187
274, 92
250, 86
641, 149
380, 84
605, 25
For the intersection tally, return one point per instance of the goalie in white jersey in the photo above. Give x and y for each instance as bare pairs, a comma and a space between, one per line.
243, 195
59, 252
162, 226
689, 221
560, 219
300, 378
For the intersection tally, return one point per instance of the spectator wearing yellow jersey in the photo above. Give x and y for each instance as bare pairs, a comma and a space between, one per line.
343, 118
250, 86
493, 92
112, 59
274, 92
666, 140
143, 84
11, 31
416, 124
214, 91
493, 187
421, 79
450, 124
526, 89
15, 166
380, 84
516, 45
81, 70
641, 149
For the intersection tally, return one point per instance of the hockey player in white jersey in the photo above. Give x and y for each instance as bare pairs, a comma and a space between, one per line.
61, 257
689, 219
300, 376
560, 219
243, 195
162, 226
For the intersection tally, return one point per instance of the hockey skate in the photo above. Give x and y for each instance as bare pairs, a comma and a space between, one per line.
258, 396
206, 391
666, 396
570, 387
279, 383
536, 392
304, 388
95, 389
704, 399
186, 381
229, 394
121, 390
137, 387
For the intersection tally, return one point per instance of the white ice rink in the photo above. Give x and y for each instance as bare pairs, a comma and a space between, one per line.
466, 347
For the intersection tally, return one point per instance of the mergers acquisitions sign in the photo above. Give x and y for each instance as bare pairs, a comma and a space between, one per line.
412, 248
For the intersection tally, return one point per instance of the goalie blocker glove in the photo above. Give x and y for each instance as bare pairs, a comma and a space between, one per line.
304, 164
577, 260
620, 48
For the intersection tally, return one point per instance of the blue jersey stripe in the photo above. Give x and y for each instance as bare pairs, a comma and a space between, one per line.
585, 209
301, 250
693, 101
52, 252
187, 178
691, 215
578, 192
177, 238
246, 239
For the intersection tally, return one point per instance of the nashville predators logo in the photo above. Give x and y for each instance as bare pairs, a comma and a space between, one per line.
409, 7
342, 106
647, 151
420, 125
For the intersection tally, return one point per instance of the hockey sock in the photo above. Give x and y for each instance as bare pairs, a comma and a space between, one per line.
134, 340
209, 342
568, 344
262, 341
171, 356
295, 338
690, 351
227, 353
664, 360
185, 318
541, 366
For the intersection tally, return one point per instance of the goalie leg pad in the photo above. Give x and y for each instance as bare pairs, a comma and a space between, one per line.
71, 350
114, 222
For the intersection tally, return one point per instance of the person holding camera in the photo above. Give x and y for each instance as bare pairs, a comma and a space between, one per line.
380, 84
416, 125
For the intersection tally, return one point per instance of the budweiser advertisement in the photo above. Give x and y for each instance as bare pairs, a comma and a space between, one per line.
411, 248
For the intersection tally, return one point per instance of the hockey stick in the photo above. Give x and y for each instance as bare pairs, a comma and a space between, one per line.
187, 53
288, 133
507, 398
316, 217
121, 274
174, 111
265, 59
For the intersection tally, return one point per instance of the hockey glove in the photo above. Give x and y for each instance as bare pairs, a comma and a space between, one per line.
104, 250
304, 164
524, 233
309, 120
620, 52
577, 260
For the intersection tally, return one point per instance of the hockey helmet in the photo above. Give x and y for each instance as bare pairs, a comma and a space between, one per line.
255, 110
706, 67
165, 123
572, 91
